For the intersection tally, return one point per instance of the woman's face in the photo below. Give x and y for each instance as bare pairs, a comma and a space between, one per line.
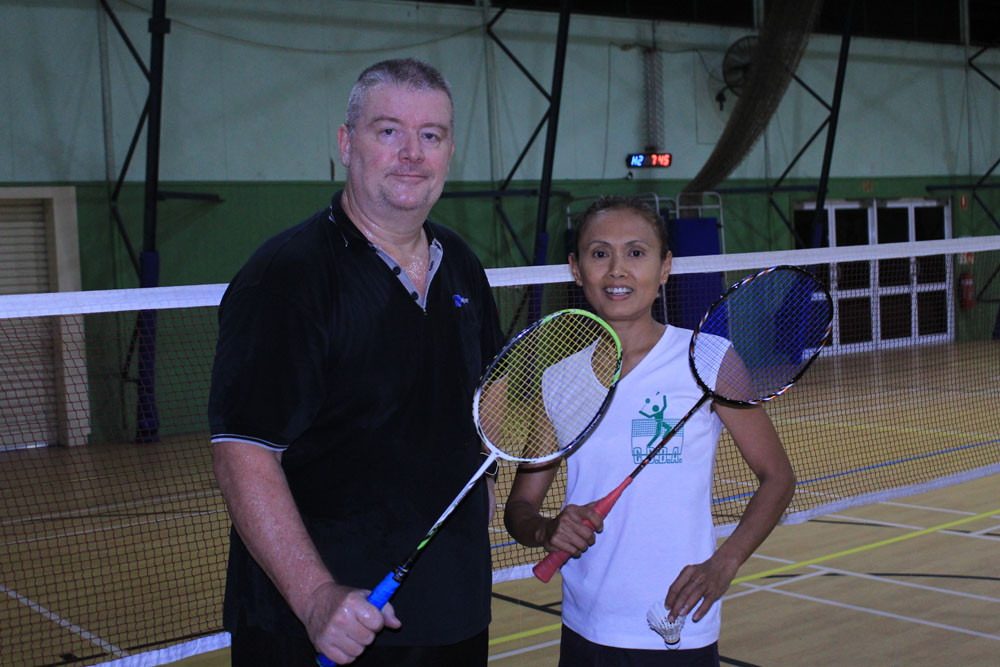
619, 265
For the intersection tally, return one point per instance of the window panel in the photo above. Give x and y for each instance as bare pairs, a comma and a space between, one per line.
904, 299
855, 321
893, 225
932, 269
894, 272
896, 316
854, 275
928, 223
932, 313
852, 226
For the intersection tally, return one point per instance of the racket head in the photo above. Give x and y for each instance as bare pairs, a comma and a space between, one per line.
549, 386
761, 335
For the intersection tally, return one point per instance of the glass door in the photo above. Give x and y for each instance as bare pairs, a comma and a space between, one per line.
900, 301
914, 300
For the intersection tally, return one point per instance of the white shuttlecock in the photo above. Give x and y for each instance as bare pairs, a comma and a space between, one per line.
657, 619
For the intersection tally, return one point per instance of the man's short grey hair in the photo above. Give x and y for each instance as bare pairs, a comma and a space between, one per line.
407, 72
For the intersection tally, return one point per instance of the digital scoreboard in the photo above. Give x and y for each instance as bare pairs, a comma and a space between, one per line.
643, 160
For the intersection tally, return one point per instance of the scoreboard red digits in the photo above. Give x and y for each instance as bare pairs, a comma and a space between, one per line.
644, 160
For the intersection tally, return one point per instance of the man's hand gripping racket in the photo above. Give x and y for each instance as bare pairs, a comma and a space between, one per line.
541, 395
753, 344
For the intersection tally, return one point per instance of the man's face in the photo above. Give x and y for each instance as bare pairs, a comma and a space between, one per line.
398, 154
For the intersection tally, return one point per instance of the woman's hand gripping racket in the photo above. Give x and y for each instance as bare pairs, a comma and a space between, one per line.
570, 354
754, 343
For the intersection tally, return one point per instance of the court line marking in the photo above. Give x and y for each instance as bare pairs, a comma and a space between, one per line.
898, 461
864, 547
886, 524
855, 499
49, 537
943, 510
58, 620
774, 588
892, 430
896, 581
890, 579
520, 651
97, 510
887, 614
793, 566
525, 633
988, 529
555, 626
750, 589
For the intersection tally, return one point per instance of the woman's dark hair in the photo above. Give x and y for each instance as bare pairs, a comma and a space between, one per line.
632, 203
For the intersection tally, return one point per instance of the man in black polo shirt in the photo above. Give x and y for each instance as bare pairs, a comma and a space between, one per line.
349, 349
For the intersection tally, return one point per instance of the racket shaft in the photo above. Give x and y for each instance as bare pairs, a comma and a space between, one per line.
451, 508
384, 591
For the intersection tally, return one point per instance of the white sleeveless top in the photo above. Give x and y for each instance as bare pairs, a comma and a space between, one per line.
663, 521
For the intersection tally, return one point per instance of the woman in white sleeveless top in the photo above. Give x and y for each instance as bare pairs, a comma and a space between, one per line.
657, 546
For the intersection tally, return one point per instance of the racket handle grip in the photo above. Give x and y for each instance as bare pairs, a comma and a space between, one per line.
549, 565
384, 590
377, 597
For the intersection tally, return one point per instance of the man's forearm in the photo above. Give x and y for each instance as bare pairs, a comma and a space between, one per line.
266, 518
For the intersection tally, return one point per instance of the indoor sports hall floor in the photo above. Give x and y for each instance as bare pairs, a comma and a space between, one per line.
910, 582
915, 581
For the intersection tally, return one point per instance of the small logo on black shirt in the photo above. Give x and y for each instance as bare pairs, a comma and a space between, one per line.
459, 300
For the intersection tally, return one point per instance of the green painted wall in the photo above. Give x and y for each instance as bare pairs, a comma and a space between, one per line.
206, 242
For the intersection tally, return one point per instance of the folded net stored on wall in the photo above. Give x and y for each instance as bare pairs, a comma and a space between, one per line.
114, 535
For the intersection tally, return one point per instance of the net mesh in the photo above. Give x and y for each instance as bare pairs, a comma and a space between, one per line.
548, 387
113, 539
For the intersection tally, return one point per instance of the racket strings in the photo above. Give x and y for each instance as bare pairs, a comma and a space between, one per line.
757, 340
548, 387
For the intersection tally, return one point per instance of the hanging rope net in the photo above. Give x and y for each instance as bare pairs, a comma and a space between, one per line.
782, 41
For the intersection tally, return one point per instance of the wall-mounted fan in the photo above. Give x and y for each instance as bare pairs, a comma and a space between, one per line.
737, 66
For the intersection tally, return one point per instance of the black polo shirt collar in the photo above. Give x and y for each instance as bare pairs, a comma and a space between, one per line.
353, 236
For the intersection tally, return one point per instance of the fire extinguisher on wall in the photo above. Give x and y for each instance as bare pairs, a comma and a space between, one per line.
966, 290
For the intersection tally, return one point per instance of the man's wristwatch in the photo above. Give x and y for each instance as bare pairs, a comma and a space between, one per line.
494, 468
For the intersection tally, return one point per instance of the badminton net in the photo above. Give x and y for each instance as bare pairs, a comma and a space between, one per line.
114, 535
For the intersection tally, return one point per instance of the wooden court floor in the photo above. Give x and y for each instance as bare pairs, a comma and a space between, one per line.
915, 581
